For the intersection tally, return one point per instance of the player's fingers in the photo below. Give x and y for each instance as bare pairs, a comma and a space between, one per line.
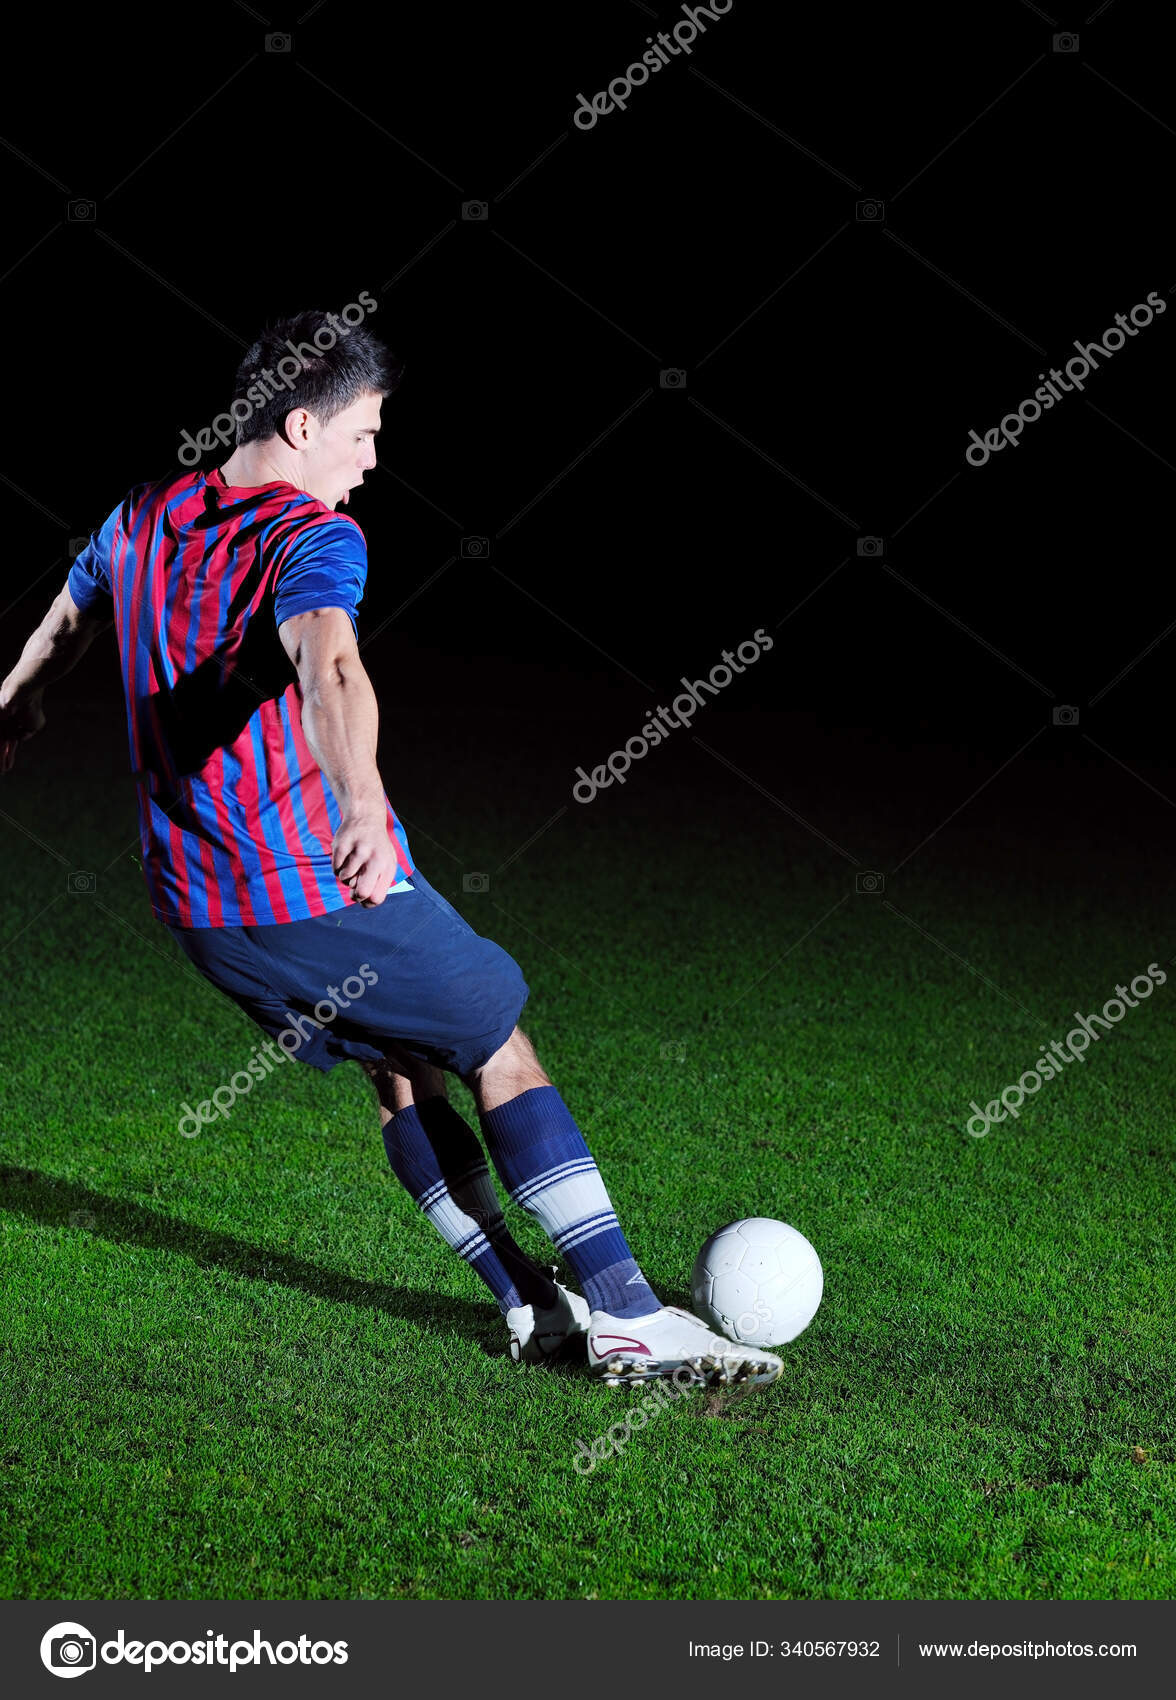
352, 863
352, 872
371, 888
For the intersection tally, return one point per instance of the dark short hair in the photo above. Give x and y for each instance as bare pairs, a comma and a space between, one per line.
330, 379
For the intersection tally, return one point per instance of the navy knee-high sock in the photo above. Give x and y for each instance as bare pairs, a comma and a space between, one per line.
463, 1162
543, 1161
437, 1158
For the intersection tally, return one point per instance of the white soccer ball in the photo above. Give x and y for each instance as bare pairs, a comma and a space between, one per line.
758, 1282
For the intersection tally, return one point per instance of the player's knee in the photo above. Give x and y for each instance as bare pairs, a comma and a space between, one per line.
516, 1060
504, 1057
400, 1071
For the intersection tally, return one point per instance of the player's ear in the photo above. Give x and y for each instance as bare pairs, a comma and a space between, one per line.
298, 428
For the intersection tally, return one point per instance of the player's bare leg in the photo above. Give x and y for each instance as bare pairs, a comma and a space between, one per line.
513, 1069
401, 1080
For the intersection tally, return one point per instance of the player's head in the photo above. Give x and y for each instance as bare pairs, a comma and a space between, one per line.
316, 382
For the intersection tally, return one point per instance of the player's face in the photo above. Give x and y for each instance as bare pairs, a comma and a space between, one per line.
342, 451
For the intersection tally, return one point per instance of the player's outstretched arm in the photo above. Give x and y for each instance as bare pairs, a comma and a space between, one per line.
58, 644
340, 720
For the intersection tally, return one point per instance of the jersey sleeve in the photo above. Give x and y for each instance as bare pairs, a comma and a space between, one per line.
89, 577
321, 565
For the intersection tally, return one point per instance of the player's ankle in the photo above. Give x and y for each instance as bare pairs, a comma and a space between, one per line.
636, 1312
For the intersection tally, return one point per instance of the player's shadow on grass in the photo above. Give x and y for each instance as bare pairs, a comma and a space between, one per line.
61, 1204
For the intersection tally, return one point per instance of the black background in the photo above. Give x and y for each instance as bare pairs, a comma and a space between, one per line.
834, 365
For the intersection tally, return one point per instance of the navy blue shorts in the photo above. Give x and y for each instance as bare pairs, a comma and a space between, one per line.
345, 984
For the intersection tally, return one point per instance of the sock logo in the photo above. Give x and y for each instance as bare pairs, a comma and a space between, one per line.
633, 1279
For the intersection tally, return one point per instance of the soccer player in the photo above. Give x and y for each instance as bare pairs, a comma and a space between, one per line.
275, 859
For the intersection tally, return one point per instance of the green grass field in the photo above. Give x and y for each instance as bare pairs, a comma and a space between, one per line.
244, 1366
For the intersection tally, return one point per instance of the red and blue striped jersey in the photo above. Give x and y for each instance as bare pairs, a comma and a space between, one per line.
235, 816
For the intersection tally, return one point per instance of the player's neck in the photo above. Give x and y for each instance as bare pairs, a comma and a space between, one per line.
247, 468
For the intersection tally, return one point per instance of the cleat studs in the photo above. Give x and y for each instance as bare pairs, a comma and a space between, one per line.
611, 1381
615, 1366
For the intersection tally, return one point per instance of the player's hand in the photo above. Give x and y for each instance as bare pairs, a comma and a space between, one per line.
362, 855
18, 721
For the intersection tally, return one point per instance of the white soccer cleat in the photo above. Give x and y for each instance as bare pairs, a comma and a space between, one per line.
538, 1335
670, 1340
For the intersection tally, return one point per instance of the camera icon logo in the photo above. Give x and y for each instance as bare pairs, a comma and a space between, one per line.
1065, 714
672, 378
1067, 42
278, 42
868, 883
81, 212
870, 212
475, 548
68, 1649
474, 212
76, 545
871, 547
475, 882
80, 883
